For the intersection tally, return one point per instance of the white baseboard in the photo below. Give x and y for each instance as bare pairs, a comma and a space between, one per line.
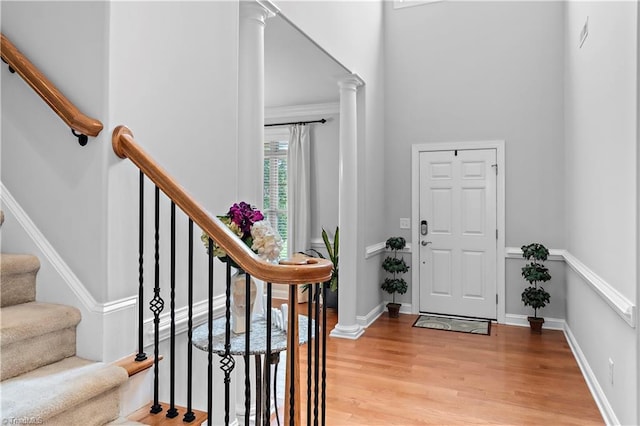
521, 320
368, 319
598, 394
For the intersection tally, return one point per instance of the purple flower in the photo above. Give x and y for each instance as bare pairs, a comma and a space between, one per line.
243, 215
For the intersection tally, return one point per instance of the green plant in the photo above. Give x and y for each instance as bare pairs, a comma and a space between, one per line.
535, 272
395, 266
332, 251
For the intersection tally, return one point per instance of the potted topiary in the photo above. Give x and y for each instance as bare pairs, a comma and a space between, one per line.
535, 272
395, 266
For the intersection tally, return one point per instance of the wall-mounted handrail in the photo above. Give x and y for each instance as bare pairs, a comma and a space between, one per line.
63, 107
299, 271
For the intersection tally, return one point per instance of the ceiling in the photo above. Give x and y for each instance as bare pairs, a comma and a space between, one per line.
297, 72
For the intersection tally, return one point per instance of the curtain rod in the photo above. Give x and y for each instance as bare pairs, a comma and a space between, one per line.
297, 122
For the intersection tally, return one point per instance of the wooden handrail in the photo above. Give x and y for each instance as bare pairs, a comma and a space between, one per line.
48, 91
300, 270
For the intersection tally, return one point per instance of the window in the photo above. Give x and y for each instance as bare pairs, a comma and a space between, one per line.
275, 189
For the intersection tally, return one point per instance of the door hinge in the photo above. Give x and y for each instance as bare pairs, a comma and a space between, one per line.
495, 166
496, 298
496, 234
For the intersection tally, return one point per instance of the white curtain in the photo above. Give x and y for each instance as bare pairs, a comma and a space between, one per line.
299, 182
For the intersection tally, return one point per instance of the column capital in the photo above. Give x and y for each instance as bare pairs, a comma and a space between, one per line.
350, 81
258, 10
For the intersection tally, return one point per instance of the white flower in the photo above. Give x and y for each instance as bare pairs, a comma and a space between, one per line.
266, 241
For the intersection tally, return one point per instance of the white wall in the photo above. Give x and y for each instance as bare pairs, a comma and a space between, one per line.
465, 71
351, 31
601, 186
61, 185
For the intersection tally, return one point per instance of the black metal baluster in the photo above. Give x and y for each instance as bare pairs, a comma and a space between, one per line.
267, 355
309, 330
292, 364
324, 354
141, 356
227, 362
156, 306
210, 336
316, 356
173, 411
189, 416
247, 347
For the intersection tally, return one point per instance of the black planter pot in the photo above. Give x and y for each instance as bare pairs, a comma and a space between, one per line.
536, 324
332, 298
394, 310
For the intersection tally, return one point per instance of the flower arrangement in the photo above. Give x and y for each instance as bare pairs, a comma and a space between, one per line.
249, 225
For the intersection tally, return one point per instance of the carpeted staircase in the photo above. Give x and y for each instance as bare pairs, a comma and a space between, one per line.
43, 382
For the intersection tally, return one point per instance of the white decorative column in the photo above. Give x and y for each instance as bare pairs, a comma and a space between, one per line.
347, 326
253, 15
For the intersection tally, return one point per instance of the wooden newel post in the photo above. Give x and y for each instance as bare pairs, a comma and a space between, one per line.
293, 363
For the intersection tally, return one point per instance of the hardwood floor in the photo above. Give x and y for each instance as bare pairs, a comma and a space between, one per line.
400, 375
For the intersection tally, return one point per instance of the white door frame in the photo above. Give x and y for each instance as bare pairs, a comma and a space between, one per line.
416, 149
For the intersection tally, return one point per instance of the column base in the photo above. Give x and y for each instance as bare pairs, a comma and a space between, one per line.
352, 332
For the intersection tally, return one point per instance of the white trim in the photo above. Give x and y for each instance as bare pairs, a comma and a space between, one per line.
592, 382
200, 313
270, 7
280, 292
293, 111
402, 4
499, 146
374, 250
377, 248
620, 304
521, 321
60, 266
516, 253
352, 333
317, 243
366, 320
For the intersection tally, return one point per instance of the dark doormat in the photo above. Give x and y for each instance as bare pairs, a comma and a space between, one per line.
462, 325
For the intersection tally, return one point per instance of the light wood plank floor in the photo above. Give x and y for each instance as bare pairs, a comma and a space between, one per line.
397, 374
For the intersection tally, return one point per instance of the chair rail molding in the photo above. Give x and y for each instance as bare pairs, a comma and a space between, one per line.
618, 302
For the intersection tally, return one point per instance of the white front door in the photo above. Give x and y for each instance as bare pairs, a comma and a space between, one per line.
458, 232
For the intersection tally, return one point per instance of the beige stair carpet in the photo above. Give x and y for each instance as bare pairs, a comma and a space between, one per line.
73, 391
18, 278
35, 334
42, 381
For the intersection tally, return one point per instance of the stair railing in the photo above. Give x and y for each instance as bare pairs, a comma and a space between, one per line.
81, 125
294, 272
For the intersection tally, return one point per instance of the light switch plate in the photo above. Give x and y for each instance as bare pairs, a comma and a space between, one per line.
405, 223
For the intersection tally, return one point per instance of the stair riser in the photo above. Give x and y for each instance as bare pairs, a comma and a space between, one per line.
17, 288
29, 354
96, 411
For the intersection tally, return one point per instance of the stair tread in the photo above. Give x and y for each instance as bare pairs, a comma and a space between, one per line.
160, 419
14, 264
28, 320
54, 388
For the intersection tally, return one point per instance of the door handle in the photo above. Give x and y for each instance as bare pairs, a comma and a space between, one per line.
424, 243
